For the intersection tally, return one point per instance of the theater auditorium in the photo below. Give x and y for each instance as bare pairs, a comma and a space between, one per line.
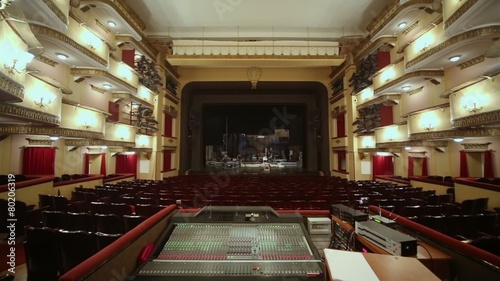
249, 140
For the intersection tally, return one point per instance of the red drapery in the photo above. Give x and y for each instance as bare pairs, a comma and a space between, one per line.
464, 171
126, 164
39, 160
168, 126
341, 125
488, 164
167, 160
103, 164
425, 171
382, 165
341, 156
410, 166
86, 165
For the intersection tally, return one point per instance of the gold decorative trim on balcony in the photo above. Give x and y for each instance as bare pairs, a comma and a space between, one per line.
482, 146
102, 25
24, 113
97, 89
415, 91
390, 12
40, 29
485, 31
99, 143
410, 28
125, 12
103, 73
381, 99
144, 44
128, 96
482, 132
477, 119
240, 57
412, 143
10, 90
459, 12
46, 60
471, 62
369, 46
34, 141
426, 73
51, 131
53, 7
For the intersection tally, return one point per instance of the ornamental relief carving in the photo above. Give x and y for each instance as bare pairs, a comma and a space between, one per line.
477, 119
30, 114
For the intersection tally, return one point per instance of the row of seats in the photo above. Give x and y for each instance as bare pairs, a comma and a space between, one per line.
50, 253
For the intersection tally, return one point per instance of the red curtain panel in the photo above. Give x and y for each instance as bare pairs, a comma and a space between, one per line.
103, 164
488, 164
168, 126
86, 164
382, 165
39, 160
126, 164
167, 160
341, 125
425, 170
342, 157
410, 166
464, 171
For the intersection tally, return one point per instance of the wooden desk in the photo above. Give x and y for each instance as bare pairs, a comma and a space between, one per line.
436, 261
385, 267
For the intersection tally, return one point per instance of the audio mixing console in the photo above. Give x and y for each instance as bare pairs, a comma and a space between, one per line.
250, 243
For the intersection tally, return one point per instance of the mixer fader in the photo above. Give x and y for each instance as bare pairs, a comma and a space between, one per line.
270, 247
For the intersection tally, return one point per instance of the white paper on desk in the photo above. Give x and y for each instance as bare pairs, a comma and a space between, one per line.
348, 266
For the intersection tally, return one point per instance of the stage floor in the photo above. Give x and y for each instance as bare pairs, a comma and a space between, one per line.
255, 168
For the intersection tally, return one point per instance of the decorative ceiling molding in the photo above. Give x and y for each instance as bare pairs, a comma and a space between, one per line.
43, 30
481, 146
53, 7
35, 141
412, 143
50, 131
29, 114
477, 119
415, 91
480, 32
46, 60
459, 12
481, 132
407, 76
103, 73
471, 62
10, 90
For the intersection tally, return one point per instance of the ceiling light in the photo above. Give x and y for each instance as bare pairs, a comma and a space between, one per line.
54, 138
454, 58
458, 140
408, 148
62, 56
106, 86
402, 25
112, 24
406, 88
104, 147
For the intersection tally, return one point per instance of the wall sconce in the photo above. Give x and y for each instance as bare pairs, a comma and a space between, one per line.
472, 103
43, 102
86, 125
428, 127
18, 62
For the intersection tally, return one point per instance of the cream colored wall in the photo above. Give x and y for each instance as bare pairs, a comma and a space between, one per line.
440, 163
66, 190
400, 166
29, 195
454, 149
16, 149
440, 189
5, 164
463, 192
69, 162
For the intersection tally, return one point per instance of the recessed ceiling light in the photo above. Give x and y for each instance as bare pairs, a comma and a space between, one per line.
455, 58
402, 25
62, 56
104, 147
408, 148
406, 88
458, 140
106, 86
112, 23
54, 138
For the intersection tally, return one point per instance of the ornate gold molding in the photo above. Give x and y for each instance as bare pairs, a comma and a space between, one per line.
40, 29
412, 143
415, 91
146, 46
128, 96
12, 88
482, 132
53, 7
424, 73
33, 141
477, 119
51, 131
459, 12
338, 110
417, 153
379, 99
125, 12
16, 111
46, 60
390, 12
103, 73
94, 149
368, 45
483, 146
102, 25
485, 31
410, 28
97, 89
471, 62
94, 142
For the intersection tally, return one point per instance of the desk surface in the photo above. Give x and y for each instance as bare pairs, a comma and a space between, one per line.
385, 267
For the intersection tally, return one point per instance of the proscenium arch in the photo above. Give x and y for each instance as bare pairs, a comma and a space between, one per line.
313, 95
